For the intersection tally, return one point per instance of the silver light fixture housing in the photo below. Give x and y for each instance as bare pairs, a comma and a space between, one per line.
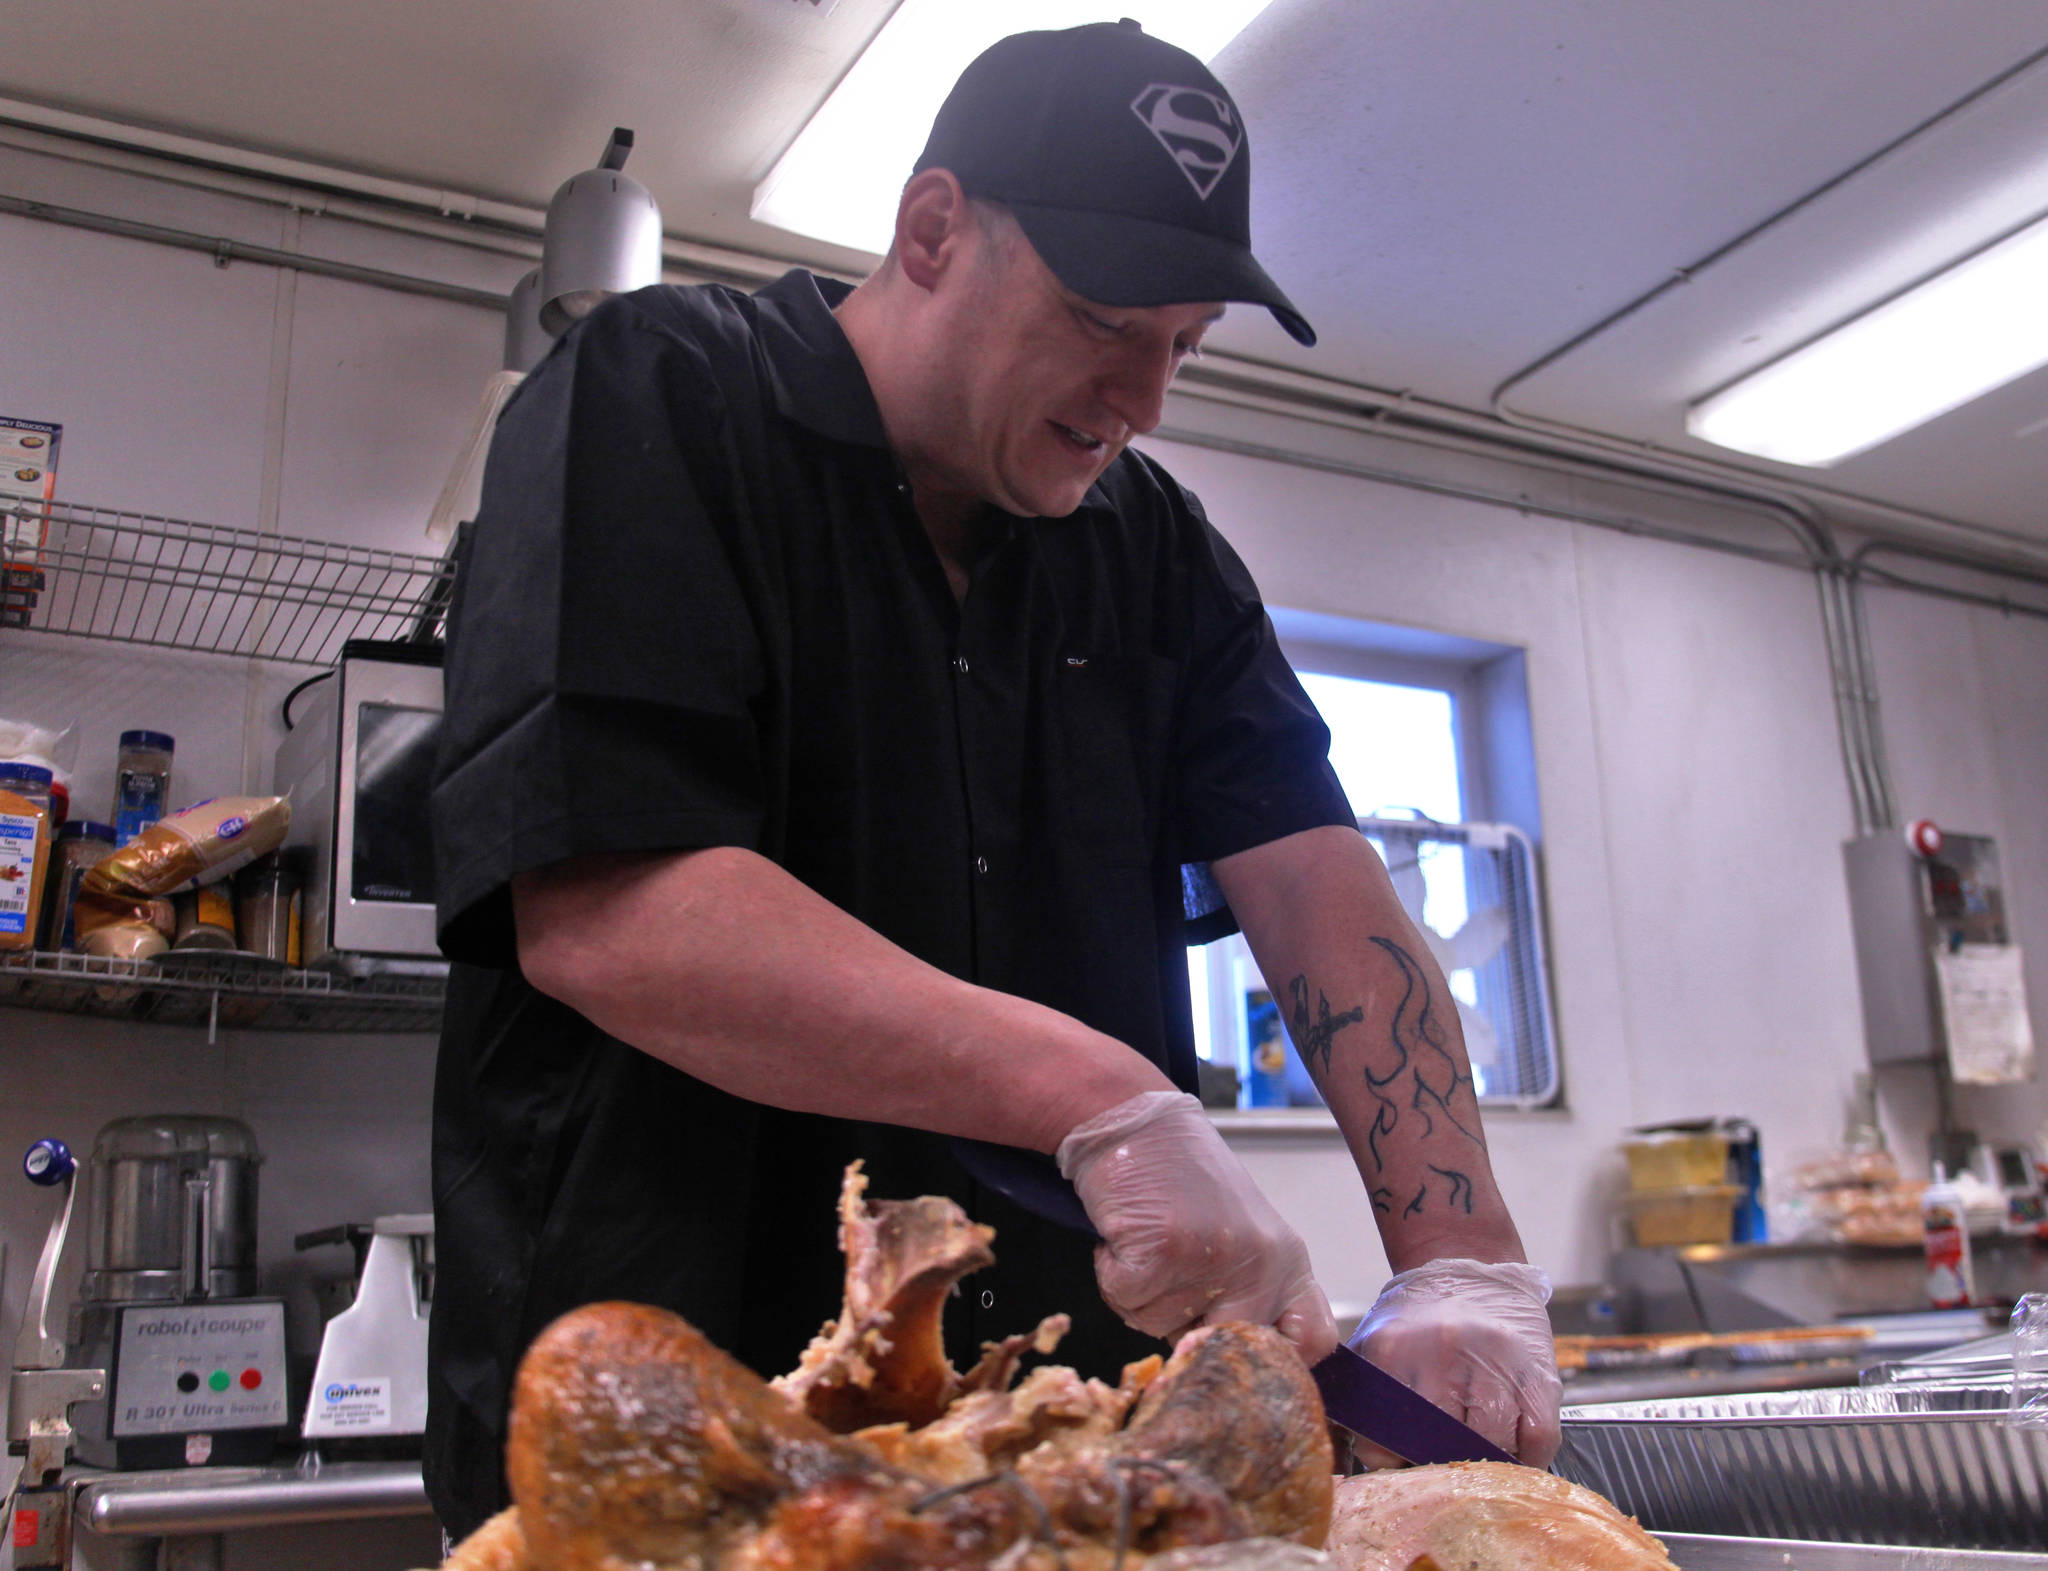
603, 237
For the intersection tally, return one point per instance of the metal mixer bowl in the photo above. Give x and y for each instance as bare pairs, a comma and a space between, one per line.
171, 1196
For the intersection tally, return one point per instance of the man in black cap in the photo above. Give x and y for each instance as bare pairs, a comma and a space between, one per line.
847, 734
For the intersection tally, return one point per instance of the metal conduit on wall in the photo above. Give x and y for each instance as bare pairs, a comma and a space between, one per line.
1222, 378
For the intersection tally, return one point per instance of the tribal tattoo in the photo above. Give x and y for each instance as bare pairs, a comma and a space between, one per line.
1461, 1187
1459, 1198
1420, 1071
1413, 1074
1424, 1053
1313, 1034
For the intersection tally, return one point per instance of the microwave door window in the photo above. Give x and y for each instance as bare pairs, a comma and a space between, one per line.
394, 769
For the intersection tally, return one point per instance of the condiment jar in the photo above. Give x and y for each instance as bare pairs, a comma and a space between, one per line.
24, 852
206, 918
142, 782
79, 845
267, 907
28, 780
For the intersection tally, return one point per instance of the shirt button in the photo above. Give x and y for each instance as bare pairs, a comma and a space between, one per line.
960, 664
981, 864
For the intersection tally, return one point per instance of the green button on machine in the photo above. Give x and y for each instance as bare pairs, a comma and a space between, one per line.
218, 1380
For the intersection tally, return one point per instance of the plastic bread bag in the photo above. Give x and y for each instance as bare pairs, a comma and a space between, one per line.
2029, 1408
196, 845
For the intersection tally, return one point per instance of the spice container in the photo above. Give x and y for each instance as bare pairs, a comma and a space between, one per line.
31, 781
142, 782
267, 907
24, 851
78, 846
206, 918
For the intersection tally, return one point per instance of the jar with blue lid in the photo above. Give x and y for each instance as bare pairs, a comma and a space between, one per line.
142, 782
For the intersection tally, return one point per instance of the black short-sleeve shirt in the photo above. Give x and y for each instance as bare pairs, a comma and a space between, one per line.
699, 609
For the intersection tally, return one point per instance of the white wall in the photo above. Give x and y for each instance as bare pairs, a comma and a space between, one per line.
1694, 804
1690, 774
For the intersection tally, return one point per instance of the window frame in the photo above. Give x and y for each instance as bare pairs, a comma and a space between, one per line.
1493, 734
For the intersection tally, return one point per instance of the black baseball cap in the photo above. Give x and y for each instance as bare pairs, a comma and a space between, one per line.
1124, 160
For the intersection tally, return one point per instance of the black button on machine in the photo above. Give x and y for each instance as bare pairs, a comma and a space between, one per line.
188, 1382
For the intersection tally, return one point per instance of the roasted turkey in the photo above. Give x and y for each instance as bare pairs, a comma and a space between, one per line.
636, 1445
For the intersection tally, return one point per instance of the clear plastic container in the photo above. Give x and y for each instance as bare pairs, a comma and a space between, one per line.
1688, 1214
1675, 1158
79, 845
142, 782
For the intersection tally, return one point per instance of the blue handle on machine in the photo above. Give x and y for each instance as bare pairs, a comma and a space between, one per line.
49, 1162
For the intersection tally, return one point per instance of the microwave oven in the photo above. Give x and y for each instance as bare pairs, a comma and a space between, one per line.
358, 763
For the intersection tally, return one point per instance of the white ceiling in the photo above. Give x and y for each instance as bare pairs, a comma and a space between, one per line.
1450, 189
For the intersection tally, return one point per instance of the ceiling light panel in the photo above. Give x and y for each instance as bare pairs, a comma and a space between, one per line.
1965, 331
840, 178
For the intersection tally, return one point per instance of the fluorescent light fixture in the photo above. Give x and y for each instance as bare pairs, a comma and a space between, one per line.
1934, 348
840, 178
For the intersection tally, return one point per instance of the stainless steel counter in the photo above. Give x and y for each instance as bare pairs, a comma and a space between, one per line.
225, 1500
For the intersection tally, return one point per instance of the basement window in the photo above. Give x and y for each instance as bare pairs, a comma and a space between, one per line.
1430, 736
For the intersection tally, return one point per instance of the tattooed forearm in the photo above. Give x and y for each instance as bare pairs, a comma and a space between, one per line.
1461, 1187
1424, 1053
1411, 1074
1459, 1197
1313, 1033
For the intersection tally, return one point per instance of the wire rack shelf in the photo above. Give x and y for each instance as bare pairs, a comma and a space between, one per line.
215, 990
95, 572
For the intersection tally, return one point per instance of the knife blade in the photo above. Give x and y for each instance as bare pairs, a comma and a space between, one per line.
1030, 1179
1375, 1406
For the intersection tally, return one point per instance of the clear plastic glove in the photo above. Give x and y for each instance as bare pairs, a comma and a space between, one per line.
1475, 1340
1188, 1239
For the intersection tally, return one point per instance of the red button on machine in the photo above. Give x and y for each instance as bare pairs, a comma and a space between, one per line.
251, 1379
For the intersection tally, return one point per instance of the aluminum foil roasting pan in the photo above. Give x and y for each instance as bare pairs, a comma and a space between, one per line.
1928, 1466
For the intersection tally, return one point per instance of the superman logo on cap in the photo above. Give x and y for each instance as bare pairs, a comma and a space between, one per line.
1199, 130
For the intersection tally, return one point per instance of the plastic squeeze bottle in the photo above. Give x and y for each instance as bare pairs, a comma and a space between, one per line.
1945, 1231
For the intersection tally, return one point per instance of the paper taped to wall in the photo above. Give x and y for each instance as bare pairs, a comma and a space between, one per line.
1984, 1012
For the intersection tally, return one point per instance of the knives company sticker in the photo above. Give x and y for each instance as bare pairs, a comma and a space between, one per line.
355, 1404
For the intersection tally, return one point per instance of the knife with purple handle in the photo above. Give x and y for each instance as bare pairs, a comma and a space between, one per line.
1372, 1404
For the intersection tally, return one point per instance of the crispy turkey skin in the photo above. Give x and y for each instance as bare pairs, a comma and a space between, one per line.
1483, 1516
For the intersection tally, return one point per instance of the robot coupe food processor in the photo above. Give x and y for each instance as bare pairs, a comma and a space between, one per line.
194, 1361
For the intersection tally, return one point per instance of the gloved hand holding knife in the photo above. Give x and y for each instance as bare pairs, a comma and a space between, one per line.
1187, 1237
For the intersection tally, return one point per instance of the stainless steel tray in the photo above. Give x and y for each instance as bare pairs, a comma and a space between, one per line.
1931, 1466
1699, 1552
